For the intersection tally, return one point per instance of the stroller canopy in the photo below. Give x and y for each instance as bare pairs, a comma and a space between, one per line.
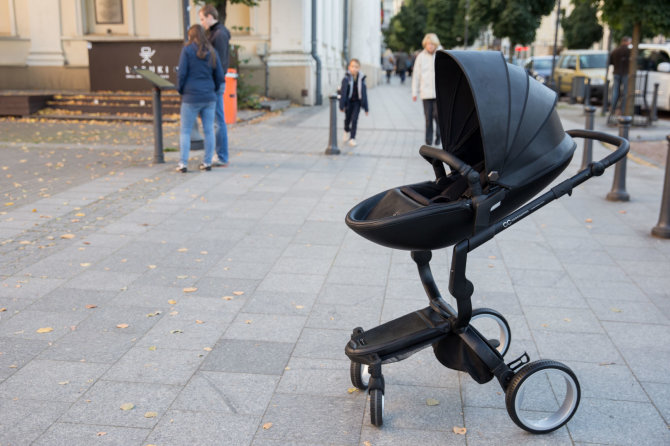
492, 111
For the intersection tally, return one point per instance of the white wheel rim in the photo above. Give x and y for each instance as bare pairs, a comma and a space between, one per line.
504, 335
559, 416
365, 375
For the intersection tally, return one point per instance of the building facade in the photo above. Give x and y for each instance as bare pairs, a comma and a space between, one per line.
284, 49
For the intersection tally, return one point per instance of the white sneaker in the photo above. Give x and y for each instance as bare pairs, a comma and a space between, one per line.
345, 136
352, 142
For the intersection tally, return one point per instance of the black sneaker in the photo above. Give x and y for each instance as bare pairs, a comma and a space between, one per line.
181, 168
204, 166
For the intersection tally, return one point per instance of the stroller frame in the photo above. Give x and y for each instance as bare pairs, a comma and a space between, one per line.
440, 323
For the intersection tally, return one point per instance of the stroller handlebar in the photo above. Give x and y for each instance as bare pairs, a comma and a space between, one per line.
431, 153
598, 167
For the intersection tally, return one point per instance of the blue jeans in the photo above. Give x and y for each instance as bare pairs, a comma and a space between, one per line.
220, 126
618, 80
189, 113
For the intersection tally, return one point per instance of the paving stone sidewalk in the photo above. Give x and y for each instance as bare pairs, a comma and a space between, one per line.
215, 306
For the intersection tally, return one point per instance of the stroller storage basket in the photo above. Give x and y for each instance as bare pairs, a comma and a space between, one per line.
503, 143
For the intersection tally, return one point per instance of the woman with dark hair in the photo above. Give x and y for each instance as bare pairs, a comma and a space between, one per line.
200, 75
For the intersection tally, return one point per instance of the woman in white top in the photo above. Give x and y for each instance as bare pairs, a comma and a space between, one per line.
423, 85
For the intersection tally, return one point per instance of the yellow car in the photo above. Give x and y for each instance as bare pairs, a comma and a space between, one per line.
587, 63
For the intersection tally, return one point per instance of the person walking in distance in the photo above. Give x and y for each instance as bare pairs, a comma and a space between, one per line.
219, 37
423, 85
353, 96
199, 78
620, 58
388, 64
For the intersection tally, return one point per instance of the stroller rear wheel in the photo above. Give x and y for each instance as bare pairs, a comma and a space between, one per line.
542, 396
376, 407
359, 375
494, 327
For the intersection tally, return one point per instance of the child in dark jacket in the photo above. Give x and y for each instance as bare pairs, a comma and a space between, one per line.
353, 96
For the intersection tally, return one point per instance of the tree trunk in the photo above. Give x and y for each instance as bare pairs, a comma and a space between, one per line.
632, 70
221, 7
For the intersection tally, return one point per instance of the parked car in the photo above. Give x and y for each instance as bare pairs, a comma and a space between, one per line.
654, 59
539, 67
590, 64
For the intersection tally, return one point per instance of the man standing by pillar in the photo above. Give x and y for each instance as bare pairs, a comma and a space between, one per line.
620, 58
219, 36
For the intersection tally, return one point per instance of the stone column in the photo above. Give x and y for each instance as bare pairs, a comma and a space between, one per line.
46, 47
366, 37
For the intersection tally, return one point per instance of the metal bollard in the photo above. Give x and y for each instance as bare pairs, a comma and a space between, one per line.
587, 155
158, 127
587, 92
332, 143
654, 105
618, 192
606, 96
662, 229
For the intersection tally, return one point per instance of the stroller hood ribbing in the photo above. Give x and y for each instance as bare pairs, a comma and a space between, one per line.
493, 110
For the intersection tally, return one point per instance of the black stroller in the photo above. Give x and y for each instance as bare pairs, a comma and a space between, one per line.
504, 143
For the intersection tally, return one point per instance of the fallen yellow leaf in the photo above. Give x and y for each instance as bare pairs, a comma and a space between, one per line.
190, 289
460, 430
100, 434
67, 236
227, 298
172, 301
152, 348
589, 220
62, 383
182, 250
3, 309
207, 349
152, 266
89, 306
85, 265
198, 321
352, 390
127, 406
151, 415
122, 326
614, 309
238, 293
267, 426
45, 330
432, 402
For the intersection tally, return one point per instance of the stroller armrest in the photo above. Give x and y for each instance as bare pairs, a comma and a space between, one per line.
622, 144
431, 154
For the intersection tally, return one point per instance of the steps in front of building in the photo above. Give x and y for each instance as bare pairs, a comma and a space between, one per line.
110, 106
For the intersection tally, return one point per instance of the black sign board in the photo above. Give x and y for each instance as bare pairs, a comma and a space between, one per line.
111, 65
155, 79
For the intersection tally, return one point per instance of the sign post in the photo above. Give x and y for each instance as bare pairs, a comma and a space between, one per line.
159, 84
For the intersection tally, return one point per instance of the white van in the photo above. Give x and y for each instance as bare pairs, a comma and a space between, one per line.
655, 60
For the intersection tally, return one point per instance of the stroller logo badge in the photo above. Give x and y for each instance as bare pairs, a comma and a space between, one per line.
507, 223
146, 53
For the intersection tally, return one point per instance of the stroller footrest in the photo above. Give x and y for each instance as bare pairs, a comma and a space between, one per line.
399, 334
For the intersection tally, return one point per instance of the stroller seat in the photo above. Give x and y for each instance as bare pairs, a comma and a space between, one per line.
512, 138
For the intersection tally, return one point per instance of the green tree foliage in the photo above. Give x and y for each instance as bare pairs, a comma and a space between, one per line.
406, 29
648, 17
515, 19
446, 18
581, 28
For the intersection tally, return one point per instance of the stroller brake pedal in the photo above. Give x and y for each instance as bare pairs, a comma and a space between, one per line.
519, 362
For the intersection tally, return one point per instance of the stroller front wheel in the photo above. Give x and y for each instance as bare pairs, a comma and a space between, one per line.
542, 396
494, 327
376, 407
359, 375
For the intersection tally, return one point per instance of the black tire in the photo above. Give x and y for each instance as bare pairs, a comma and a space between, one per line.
376, 407
503, 338
568, 400
359, 375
